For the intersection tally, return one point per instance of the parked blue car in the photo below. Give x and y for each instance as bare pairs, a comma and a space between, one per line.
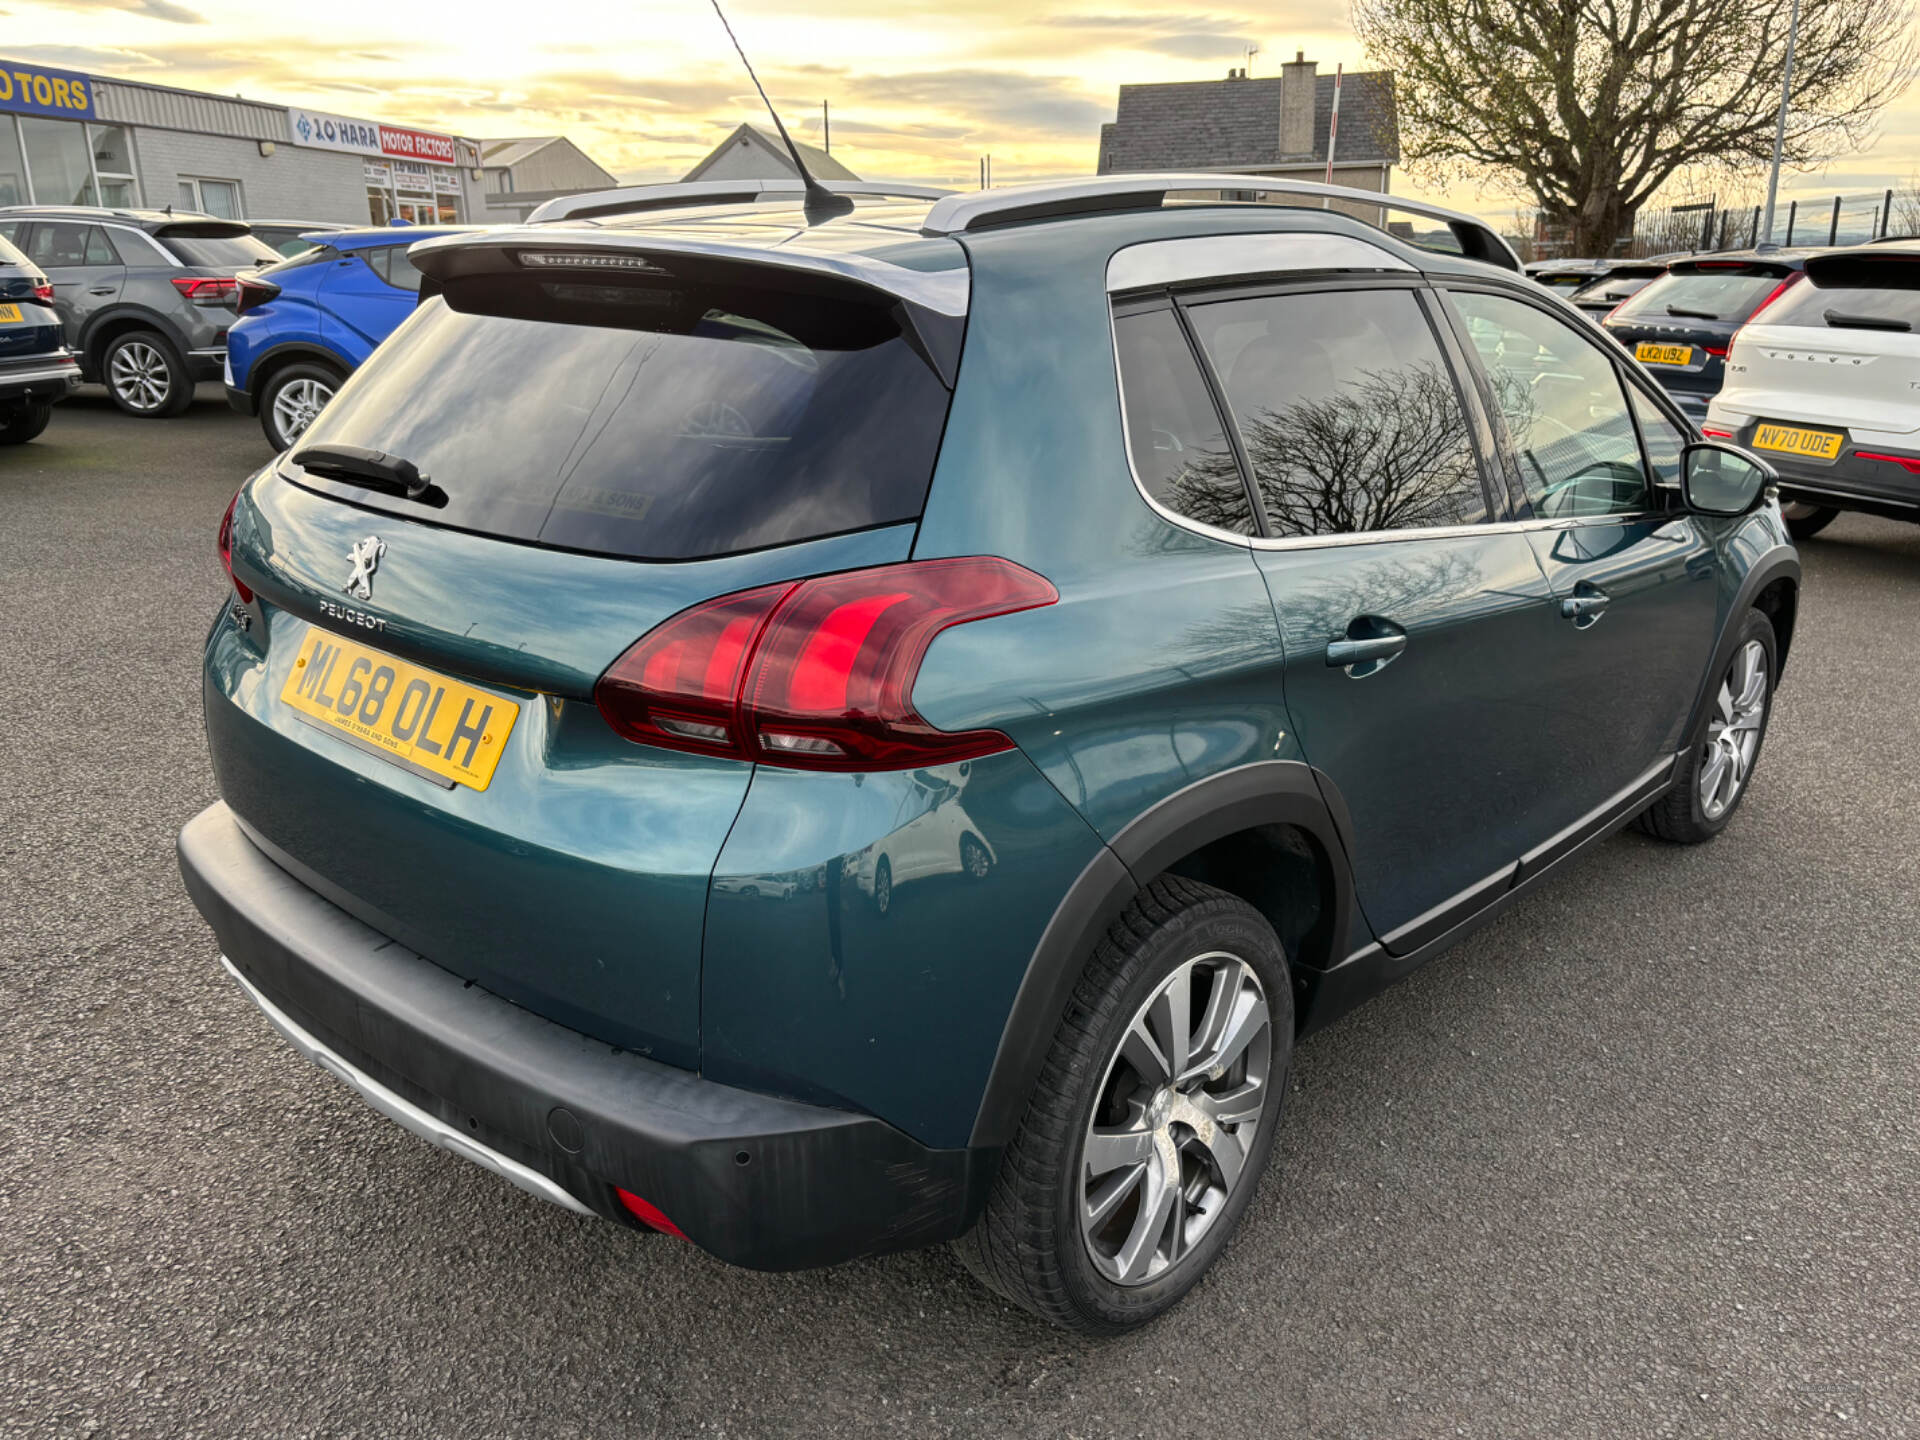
307, 323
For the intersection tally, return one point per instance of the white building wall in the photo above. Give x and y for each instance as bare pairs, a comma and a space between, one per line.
294, 183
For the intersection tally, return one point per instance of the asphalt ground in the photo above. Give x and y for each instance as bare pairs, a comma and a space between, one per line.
1638, 1159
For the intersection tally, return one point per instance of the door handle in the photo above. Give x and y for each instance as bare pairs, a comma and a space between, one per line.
1369, 645
104, 290
1586, 605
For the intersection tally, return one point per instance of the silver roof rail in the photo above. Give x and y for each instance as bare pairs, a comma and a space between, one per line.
637, 199
1062, 199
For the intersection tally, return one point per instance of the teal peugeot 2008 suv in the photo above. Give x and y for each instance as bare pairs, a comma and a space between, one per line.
824, 738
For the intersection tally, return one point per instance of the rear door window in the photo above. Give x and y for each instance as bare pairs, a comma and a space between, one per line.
650, 423
1178, 443
1350, 414
71, 247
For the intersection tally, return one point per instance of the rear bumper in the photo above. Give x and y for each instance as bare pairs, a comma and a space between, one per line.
208, 364
754, 1179
45, 379
240, 402
1884, 486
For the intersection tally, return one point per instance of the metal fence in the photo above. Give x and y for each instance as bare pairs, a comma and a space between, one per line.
1735, 225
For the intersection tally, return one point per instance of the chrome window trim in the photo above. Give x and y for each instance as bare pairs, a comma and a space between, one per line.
1325, 542
1224, 258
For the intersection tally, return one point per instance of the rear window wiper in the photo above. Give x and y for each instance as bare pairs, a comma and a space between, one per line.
371, 470
1840, 320
1686, 314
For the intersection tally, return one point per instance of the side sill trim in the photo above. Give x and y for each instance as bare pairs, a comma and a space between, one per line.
404, 1112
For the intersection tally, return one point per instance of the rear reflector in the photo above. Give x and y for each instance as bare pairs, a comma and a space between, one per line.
648, 1214
1907, 463
815, 675
1712, 434
226, 549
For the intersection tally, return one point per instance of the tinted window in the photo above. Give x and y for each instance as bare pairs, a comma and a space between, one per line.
220, 252
70, 246
1663, 439
9, 254
1701, 295
1180, 449
1846, 308
1566, 417
391, 264
651, 423
1348, 410
1611, 290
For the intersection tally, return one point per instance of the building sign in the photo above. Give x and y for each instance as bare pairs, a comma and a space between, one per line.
445, 184
381, 175
367, 137
36, 90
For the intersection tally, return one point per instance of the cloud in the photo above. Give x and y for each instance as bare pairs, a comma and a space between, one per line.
165, 10
82, 57
993, 100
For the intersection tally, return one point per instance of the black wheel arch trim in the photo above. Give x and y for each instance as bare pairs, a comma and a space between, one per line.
1780, 563
1267, 792
291, 352
148, 319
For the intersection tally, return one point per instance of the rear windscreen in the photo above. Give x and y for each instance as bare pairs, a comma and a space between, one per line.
1701, 295
1615, 288
1847, 308
221, 252
657, 424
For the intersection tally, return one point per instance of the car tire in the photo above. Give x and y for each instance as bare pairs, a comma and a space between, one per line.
146, 376
1718, 767
298, 390
883, 885
1088, 1248
1805, 521
21, 423
975, 859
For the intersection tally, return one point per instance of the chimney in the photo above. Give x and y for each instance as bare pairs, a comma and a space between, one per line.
1297, 86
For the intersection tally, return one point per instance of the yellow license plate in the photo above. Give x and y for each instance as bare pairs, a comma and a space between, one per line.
10, 315
408, 712
1652, 354
1820, 444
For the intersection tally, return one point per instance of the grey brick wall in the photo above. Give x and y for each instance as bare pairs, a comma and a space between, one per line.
294, 183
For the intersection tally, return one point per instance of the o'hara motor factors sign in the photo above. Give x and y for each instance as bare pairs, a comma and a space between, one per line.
322, 131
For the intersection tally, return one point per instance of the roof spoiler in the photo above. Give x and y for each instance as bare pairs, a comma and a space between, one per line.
1063, 199
638, 199
1883, 267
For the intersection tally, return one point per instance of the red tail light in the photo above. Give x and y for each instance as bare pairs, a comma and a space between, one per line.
254, 294
226, 550
1772, 295
207, 289
1908, 463
647, 1213
815, 675
1719, 352
1714, 433
43, 291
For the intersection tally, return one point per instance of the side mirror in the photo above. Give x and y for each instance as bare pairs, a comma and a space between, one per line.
1720, 479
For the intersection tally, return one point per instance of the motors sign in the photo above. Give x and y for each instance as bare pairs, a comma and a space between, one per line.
36, 90
322, 131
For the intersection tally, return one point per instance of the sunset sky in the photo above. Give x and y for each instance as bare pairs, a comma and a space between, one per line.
919, 89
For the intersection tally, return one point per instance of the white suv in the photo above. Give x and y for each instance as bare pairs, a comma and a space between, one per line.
1825, 382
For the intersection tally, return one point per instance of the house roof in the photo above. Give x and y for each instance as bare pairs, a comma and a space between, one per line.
819, 162
1235, 124
513, 150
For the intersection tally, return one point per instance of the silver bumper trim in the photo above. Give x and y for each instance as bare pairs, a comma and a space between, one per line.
404, 1112
66, 370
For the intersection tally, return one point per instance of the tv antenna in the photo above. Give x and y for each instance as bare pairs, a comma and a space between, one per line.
821, 203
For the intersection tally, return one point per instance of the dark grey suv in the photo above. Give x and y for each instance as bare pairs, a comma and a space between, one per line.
144, 296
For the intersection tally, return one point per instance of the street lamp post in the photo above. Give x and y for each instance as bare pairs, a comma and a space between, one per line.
1780, 127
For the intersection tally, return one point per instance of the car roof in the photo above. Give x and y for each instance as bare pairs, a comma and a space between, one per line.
142, 218
368, 237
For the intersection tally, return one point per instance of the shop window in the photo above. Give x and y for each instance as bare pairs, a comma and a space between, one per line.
218, 198
13, 175
57, 161
113, 164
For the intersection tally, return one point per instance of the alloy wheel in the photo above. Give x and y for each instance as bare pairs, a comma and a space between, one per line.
1797, 510
140, 376
296, 404
1177, 1114
1733, 734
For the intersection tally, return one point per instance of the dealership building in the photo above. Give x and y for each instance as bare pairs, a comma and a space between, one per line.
74, 139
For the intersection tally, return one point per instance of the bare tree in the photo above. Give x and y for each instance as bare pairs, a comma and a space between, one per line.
1589, 105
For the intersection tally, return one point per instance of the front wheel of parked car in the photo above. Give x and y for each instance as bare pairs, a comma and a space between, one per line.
1805, 521
294, 397
20, 423
1715, 773
1152, 1119
146, 376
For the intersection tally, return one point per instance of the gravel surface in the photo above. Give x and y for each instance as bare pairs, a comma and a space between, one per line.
1638, 1159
